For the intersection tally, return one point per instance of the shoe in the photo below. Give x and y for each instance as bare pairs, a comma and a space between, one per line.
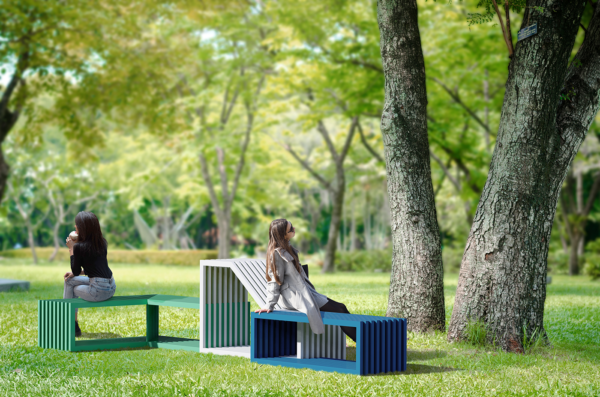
77, 329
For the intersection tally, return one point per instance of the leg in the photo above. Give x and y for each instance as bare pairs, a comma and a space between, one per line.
337, 307
73, 288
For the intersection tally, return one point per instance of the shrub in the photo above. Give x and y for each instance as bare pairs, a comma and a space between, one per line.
592, 266
356, 261
182, 258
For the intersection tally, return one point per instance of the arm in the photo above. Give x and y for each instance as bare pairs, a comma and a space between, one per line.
273, 289
76, 266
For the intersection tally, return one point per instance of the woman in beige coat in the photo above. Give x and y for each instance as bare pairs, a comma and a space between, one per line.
288, 285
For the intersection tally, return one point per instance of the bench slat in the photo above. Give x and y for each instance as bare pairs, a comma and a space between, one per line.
187, 302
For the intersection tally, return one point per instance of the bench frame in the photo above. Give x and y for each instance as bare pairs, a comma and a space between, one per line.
56, 324
380, 342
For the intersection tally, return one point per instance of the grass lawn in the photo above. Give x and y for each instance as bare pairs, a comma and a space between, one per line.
571, 366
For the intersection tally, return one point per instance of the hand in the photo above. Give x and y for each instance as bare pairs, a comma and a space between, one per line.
259, 311
70, 243
69, 275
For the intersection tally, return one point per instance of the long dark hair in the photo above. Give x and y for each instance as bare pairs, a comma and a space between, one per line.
90, 240
277, 232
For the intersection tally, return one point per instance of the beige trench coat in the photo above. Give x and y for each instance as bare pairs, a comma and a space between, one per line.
293, 293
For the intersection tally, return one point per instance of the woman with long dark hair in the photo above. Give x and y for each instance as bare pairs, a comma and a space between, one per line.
88, 253
288, 285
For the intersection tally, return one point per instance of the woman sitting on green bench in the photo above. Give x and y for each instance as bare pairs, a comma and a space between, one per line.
88, 252
288, 285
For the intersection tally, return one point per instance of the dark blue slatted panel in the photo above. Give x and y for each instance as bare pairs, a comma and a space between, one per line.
403, 322
371, 347
277, 351
394, 346
388, 339
377, 352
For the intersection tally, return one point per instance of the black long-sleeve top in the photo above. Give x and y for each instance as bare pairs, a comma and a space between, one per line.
94, 265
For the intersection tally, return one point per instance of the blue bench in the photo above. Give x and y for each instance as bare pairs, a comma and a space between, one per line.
380, 342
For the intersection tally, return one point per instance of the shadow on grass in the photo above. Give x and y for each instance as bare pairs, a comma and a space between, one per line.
424, 355
97, 335
419, 369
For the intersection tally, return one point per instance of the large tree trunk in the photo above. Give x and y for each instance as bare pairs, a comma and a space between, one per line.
502, 280
334, 226
416, 285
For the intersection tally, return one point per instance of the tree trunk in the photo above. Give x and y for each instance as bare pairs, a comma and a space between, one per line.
55, 231
334, 226
574, 254
31, 241
502, 280
352, 228
416, 285
4, 172
367, 222
224, 225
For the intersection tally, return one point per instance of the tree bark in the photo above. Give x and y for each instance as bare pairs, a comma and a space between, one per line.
4, 172
574, 254
416, 285
502, 280
55, 231
224, 221
334, 226
31, 240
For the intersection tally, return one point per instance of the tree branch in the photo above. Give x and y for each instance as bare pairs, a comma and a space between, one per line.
348, 140
209, 184
240, 165
356, 62
321, 128
592, 196
508, 44
303, 163
223, 177
366, 144
446, 170
508, 31
459, 101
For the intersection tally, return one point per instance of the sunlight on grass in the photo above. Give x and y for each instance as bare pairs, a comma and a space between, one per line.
571, 366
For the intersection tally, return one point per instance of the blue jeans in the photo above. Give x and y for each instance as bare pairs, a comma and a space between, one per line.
90, 289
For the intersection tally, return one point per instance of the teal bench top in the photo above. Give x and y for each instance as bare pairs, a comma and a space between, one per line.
56, 323
188, 302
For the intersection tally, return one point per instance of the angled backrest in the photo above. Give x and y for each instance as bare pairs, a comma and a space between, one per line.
225, 310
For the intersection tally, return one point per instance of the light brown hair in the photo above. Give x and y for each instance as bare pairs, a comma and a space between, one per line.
277, 232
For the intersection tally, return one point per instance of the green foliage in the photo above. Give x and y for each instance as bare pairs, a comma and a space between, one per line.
592, 266
534, 341
361, 261
476, 333
180, 258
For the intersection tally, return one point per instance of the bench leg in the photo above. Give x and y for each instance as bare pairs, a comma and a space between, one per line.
151, 323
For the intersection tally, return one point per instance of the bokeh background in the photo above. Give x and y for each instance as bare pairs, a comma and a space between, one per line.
122, 102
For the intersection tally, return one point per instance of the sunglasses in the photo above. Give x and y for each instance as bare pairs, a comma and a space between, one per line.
292, 230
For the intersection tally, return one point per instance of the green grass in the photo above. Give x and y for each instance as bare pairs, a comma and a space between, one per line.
571, 366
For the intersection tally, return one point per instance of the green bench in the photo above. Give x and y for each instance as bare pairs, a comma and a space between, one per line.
56, 323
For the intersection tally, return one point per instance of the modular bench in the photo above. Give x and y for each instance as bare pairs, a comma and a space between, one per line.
56, 323
380, 342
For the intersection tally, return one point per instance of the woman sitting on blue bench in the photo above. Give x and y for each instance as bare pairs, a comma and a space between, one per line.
88, 251
288, 285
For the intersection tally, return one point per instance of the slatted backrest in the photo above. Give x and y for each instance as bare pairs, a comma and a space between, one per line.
250, 272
